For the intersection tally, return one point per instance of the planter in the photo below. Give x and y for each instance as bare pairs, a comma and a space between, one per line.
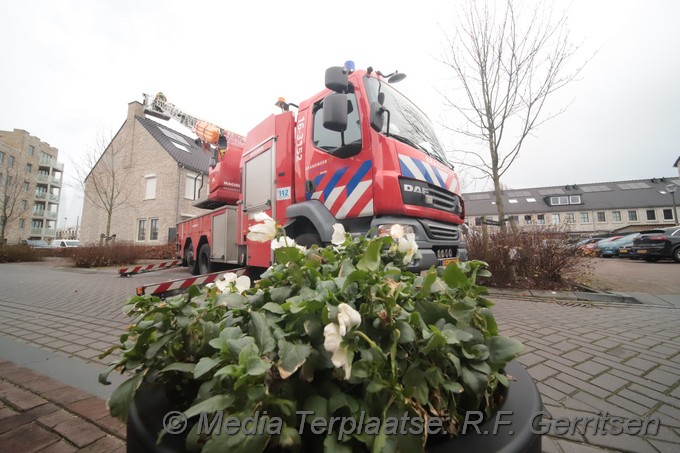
523, 399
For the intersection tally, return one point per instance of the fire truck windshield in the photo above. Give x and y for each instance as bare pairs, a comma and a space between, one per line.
407, 123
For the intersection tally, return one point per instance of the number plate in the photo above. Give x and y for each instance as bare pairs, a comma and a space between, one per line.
642, 251
448, 261
623, 250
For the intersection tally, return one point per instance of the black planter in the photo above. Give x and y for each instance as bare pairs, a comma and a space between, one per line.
145, 421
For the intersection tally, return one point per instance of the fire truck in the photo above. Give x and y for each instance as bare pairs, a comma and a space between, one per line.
357, 153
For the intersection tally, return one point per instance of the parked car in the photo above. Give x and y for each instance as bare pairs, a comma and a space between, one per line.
36, 243
658, 244
611, 248
593, 248
59, 243
585, 246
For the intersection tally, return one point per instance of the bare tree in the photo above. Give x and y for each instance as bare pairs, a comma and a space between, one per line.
10, 205
103, 176
508, 62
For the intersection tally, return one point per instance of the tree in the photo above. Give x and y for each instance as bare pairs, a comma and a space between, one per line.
10, 206
103, 177
508, 63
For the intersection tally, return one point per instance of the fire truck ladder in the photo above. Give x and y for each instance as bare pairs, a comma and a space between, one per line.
172, 287
128, 271
159, 107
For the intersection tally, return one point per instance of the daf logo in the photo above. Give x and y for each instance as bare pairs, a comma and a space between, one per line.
416, 189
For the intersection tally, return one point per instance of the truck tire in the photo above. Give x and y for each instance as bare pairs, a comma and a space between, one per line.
192, 262
204, 259
309, 239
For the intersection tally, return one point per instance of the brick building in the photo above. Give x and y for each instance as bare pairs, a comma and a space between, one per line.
31, 178
164, 174
593, 208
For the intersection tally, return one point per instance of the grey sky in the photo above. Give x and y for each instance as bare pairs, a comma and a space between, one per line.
69, 69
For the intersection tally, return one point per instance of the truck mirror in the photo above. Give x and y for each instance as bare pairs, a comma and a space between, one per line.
335, 112
377, 116
336, 79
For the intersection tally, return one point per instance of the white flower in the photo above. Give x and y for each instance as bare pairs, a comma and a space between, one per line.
338, 237
224, 283
334, 333
333, 343
286, 242
347, 318
408, 246
262, 232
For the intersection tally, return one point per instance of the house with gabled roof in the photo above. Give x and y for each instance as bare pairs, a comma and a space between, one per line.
591, 208
163, 172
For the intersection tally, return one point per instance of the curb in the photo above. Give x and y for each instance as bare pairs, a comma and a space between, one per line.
567, 295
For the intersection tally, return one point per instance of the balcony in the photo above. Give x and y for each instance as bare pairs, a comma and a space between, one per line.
42, 178
40, 195
51, 215
49, 162
51, 232
39, 213
55, 181
52, 197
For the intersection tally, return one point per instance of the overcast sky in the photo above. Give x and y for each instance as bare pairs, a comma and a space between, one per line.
70, 68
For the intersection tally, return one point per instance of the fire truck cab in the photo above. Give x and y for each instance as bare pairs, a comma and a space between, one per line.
357, 153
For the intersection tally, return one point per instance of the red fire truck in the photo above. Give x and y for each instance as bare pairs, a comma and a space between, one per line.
357, 153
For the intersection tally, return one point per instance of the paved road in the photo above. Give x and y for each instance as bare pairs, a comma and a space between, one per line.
626, 275
587, 358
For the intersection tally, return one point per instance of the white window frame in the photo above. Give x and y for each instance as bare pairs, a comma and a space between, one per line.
553, 217
617, 214
190, 187
586, 215
150, 187
597, 216
570, 218
634, 211
141, 228
151, 238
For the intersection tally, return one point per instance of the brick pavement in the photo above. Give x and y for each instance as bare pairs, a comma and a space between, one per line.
586, 357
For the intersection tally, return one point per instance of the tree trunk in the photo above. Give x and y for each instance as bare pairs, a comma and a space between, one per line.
2, 234
108, 223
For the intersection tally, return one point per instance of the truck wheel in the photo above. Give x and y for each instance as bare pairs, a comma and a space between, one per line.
309, 239
204, 259
192, 263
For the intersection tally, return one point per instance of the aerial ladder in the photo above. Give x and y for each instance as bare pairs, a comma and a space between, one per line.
208, 134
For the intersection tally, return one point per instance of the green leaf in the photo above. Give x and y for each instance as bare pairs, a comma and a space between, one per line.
229, 370
289, 437
454, 277
291, 357
273, 308
121, 398
255, 366
362, 368
280, 294
213, 404
179, 366
436, 341
235, 301
262, 333
318, 405
355, 276
370, 262
406, 332
414, 381
429, 280
332, 445
205, 365
374, 387
158, 344
453, 387
490, 321
241, 442
502, 350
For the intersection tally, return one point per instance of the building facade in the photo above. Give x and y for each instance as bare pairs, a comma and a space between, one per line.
31, 178
593, 208
163, 173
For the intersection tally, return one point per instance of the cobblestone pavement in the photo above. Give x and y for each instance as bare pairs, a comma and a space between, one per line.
587, 358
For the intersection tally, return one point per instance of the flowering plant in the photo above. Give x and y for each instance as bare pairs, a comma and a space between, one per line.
340, 332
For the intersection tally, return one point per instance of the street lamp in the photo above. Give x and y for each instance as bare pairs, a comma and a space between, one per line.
671, 188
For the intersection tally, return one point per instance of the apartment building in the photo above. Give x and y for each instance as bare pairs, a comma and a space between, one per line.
31, 181
593, 208
163, 173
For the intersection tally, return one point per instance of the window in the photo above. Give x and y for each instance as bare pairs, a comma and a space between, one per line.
10, 161
153, 230
527, 219
25, 186
513, 219
540, 219
24, 204
651, 214
29, 168
585, 218
667, 214
512, 200
189, 189
345, 144
531, 200
601, 217
575, 199
569, 217
31, 150
478, 221
150, 188
22, 223
555, 219
141, 229
632, 216
616, 216
559, 200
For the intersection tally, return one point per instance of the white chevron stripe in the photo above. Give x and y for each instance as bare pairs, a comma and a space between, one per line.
333, 196
316, 195
368, 210
412, 167
352, 199
431, 171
